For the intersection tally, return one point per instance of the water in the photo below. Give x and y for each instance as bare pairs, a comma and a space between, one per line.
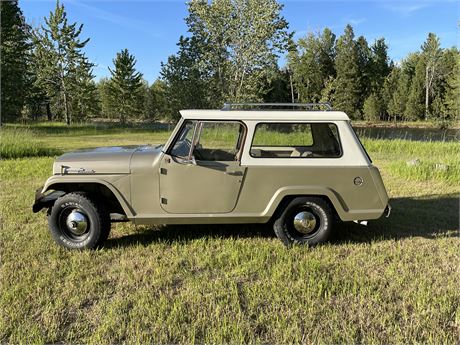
414, 134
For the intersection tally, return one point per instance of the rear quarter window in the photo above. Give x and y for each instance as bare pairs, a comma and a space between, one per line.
296, 140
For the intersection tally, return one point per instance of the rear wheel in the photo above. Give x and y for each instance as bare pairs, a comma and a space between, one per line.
76, 222
305, 220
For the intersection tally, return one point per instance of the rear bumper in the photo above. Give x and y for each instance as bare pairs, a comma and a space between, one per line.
45, 200
387, 211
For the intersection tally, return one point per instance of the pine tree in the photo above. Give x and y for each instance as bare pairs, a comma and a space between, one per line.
105, 98
380, 65
62, 69
395, 93
15, 46
126, 87
432, 54
452, 95
85, 100
365, 70
327, 41
373, 108
347, 85
415, 101
157, 106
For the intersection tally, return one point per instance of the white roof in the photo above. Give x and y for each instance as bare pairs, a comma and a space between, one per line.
264, 115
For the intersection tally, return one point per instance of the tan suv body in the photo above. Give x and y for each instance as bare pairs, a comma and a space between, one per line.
298, 168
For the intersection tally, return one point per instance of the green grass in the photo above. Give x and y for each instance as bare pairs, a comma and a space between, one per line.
20, 142
437, 160
394, 281
428, 170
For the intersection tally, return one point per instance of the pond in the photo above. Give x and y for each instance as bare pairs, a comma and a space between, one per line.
415, 134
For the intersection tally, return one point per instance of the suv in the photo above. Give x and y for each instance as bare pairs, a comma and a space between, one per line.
246, 163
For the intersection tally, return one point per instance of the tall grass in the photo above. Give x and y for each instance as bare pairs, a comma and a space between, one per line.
97, 128
425, 171
22, 142
412, 148
435, 160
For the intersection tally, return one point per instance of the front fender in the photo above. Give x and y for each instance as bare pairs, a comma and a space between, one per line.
108, 181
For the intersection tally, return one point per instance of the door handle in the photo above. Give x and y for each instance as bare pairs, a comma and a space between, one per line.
234, 173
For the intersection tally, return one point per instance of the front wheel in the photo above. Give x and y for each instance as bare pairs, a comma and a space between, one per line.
76, 222
305, 220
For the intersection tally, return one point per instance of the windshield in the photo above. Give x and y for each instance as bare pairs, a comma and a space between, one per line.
183, 143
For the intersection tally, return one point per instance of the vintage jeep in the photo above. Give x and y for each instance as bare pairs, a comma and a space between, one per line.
247, 163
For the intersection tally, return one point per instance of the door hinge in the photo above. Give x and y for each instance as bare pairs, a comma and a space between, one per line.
163, 171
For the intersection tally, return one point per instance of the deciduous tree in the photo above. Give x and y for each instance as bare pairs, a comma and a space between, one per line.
306, 69
234, 45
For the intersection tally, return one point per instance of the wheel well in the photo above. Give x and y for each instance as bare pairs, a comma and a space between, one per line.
96, 191
288, 198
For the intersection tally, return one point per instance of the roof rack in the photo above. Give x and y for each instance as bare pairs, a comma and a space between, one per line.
308, 106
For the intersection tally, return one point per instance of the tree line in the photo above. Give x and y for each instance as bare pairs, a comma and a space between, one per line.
230, 54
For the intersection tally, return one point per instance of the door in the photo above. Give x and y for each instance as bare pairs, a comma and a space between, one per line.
201, 173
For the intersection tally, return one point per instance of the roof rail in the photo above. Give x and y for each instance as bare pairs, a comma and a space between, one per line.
309, 106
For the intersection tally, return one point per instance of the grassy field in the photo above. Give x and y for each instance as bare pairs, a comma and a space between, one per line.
394, 281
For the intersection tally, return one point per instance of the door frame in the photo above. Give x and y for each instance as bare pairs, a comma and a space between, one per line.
196, 133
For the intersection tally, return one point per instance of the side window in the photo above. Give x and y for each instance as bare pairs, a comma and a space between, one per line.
183, 142
296, 140
218, 141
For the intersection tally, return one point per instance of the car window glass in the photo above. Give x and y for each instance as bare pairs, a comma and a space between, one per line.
283, 134
296, 140
217, 141
183, 142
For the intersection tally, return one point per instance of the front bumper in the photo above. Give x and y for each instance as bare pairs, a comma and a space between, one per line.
45, 200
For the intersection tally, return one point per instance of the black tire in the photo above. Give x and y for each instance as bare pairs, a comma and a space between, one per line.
319, 228
76, 222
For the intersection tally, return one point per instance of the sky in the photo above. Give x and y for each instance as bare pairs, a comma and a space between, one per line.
150, 29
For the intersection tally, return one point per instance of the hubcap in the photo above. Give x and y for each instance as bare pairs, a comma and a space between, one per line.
304, 222
77, 223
